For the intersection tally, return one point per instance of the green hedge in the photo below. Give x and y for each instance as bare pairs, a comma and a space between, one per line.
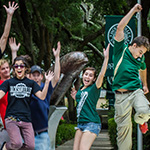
112, 132
65, 132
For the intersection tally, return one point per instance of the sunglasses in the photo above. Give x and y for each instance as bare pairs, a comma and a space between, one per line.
21, 66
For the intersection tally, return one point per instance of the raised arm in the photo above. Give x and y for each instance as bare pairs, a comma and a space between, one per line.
42, 94
100, 77
14, 48
120, 29
57, 64
10, 11
143, 75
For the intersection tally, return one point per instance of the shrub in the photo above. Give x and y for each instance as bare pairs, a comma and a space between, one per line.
112, 132
65, 132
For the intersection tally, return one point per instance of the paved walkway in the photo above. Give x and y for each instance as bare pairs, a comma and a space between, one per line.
102, 142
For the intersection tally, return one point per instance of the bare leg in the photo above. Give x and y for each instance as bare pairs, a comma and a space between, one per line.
87, 140
77, 139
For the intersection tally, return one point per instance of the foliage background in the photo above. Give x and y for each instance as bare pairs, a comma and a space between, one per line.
78, 24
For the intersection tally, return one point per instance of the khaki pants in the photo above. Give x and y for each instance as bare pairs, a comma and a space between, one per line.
123, 110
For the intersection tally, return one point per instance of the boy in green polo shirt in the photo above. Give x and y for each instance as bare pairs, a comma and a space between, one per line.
129, 91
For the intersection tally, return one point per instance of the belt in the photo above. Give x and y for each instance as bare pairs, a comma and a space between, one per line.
125, 92
13, 118
37, 133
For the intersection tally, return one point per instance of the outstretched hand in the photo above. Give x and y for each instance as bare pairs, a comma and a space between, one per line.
12, 43
106, 52
11, 9
49, 76
57, 51
73, 92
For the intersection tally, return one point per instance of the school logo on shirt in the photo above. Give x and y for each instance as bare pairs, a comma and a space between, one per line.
128, 34
20, 90
84, 96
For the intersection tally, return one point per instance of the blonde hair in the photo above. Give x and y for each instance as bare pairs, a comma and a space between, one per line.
3, 61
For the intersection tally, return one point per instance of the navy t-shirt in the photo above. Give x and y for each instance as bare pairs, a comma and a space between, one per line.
40, 110
19, 97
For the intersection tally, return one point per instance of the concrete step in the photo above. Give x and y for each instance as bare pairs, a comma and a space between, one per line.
92, 148
102, 142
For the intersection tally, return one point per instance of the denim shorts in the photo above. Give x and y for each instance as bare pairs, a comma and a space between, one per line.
91, 126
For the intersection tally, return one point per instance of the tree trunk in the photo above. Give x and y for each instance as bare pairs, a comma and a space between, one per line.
71, 107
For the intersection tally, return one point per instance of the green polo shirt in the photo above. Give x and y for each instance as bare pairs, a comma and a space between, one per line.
127, 76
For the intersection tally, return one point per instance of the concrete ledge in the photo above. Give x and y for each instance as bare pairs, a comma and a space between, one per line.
55, 115
103, 113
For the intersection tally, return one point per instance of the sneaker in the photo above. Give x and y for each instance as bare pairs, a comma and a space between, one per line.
144, 127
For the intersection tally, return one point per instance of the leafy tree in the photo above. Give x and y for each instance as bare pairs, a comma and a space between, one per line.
38, 25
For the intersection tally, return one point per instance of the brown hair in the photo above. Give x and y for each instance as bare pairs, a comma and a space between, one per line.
26, 59
92, 69
141, 41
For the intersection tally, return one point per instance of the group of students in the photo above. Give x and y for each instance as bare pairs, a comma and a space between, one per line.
25, 100
28, 98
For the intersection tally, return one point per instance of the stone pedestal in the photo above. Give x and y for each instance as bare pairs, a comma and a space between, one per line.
55, 115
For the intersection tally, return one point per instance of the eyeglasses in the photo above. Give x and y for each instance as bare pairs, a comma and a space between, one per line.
21, 66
